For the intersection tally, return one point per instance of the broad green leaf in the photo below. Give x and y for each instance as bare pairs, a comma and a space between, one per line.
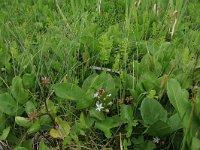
18, 91
107, 124
20, 148
62, 130
28, 80
178, 97
74, 93
126, 113
129, 81
149, 81
51, 107
96, 114
24, 122
45, 122
68, 91
7, 104
89, 82
43, 146
2, 121
159, 128
30, 107
84, 102
152, 111
104, 80
195, 144
99, 81
35, 127
63, 126
55, 134
5, 133
27, 143
141, 144
175, 122
149, 145
85, 122
197, 105
109, 84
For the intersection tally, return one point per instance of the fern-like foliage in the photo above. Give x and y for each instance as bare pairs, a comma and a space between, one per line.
105, 47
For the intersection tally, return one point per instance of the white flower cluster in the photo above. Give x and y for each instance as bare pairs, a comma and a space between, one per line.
101, 94
99, 107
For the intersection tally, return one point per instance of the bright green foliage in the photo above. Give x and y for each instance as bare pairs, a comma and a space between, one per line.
24, 122
5, 133
105, 46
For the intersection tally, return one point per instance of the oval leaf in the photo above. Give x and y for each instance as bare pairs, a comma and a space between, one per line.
7, 104
74, 93
152, 111
18, 91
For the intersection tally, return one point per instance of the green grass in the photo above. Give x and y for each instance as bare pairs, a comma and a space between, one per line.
86, 74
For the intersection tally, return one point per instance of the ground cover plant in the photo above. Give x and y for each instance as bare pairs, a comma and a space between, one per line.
99, 74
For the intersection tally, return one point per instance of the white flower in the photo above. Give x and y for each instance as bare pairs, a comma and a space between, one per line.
95, 95
156, 140
99, 107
